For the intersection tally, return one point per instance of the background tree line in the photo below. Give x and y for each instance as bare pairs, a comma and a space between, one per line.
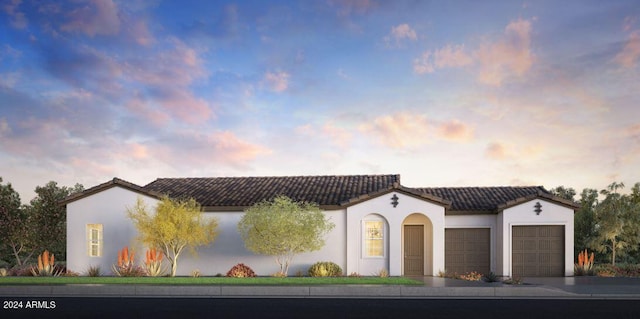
608, 222
27, 230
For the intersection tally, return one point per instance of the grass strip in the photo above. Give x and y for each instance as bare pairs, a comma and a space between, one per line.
222, 281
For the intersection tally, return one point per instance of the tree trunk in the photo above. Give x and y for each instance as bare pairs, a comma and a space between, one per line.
174, 266
613, 252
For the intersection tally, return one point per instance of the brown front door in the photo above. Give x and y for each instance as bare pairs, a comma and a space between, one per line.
414, 250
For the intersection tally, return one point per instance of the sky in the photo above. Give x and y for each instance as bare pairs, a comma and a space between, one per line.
444, 93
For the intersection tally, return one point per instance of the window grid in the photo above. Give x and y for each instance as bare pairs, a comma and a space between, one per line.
374, 239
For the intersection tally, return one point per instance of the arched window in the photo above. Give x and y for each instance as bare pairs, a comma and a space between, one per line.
374, 236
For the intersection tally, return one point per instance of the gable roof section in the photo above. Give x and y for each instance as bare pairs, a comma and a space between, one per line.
228, 193
490, 200
104, 186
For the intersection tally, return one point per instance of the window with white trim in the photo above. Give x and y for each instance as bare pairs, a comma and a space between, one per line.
374, 238
94, 240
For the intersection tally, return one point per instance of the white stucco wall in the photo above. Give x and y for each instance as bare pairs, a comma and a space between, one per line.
524, 215
228, 250
394, 216
108, 208
479, 221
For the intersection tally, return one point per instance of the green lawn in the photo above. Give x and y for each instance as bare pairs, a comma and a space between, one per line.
222, 281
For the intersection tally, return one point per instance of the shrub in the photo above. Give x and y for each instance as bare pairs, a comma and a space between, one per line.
93, 271
241, 271
471, 276
279, 274
70, 273
153, 263
513, 281
382, 273
584, 267
125, 266
605, 271
490, 277
355, 274
325, 269
448, 274
21, 271
46, 266
3, 272
196, 273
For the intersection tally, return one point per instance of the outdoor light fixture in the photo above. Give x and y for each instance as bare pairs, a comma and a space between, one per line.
394, 200
538, 208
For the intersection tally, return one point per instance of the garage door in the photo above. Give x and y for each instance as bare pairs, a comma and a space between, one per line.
466, 250
538, 251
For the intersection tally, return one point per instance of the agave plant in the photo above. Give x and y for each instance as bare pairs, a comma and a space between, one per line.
125, 266
46, 266
153, 263
584, 267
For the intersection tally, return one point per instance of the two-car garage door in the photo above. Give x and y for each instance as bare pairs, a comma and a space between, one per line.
537, 251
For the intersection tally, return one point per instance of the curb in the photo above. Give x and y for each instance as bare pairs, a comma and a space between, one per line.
151, 291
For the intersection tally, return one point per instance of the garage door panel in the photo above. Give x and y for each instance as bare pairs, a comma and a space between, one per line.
467, 249
538, 250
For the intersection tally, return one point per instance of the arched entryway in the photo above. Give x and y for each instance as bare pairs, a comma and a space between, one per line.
417, 243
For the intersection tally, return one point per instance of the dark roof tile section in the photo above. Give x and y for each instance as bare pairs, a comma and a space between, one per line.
487, 199
246, 191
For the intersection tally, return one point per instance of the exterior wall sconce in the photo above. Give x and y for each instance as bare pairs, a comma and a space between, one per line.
394, 200
538, 208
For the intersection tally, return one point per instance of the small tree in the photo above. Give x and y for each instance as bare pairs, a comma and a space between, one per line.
16, 227
616, 223
283, 228
176, 224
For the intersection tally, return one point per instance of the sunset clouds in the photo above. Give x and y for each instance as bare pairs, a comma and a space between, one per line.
435, 91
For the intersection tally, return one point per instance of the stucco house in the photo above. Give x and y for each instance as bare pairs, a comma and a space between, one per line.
379, 224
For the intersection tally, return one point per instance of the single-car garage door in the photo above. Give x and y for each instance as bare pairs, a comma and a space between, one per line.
538, 251
466, 250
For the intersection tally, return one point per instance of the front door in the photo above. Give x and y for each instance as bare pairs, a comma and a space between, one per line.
414, 250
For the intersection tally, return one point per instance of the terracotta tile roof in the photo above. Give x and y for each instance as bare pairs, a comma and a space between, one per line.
489, 199
246, 191
330, 192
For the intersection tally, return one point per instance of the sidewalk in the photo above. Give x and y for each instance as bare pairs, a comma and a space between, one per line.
567, 288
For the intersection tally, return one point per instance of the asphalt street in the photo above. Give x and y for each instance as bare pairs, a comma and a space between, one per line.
97, 307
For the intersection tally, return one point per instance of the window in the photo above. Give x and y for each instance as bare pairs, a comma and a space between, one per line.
374, 238
94, 240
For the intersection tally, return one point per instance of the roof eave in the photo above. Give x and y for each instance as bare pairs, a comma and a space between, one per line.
115, 182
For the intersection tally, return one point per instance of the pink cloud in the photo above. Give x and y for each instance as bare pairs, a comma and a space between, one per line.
403, 130
184, 105
400, 33
455, 130
424, 64
97, 17
18, 19
277, 81
630, 53
446, 57
510, 56
204, 150
496, 151
139, 32
452, 57
399, 130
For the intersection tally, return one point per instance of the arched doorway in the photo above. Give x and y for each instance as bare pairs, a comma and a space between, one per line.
417, 243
